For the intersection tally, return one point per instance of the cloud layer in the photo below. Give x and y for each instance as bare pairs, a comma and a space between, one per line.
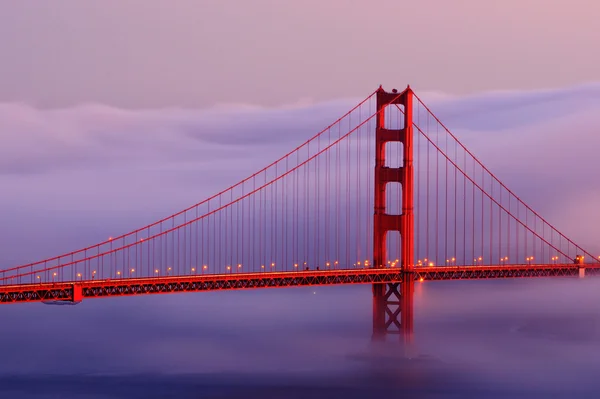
96, 161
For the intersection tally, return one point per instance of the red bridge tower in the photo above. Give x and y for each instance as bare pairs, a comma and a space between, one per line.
393, 302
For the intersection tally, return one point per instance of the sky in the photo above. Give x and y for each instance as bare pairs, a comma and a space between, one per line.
99, 171
115, 114
153, 53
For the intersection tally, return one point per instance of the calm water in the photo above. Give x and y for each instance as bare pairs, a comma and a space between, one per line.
492, 339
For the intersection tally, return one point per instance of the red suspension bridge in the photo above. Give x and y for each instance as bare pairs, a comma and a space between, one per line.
386, 195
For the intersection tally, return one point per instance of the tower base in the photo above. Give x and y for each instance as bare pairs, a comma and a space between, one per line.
393, 309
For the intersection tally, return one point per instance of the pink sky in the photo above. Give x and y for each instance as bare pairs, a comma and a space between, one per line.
149, 53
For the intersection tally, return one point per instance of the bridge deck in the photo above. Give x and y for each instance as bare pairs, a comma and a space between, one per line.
77, 290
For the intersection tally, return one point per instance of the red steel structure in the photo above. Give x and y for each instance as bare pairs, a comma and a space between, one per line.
393, 302
306, 220
77, 291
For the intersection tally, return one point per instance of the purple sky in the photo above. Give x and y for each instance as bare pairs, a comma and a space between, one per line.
98, 171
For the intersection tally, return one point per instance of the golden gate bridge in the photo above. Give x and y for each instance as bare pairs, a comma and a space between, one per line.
386, 195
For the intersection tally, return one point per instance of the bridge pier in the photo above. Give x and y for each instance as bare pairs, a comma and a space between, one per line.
77, 293
393, 309
393, 302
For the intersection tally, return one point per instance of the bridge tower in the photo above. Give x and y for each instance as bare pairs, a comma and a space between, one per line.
393, 302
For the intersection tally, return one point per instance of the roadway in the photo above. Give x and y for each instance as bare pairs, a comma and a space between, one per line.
75, 291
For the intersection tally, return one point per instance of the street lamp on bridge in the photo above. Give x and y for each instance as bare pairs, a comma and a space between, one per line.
529, 259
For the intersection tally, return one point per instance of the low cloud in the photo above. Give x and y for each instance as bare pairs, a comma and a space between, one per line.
98, 161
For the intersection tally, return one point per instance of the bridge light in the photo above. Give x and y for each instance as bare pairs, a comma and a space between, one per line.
109, 238
54, 274
327, 264
336, 262
421, 279
78, 274
156, 271
205, 267
132, 270
453, 259
193, 269
480, 258
295, 265
38, 277
272, 264
262, 266
430, 263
